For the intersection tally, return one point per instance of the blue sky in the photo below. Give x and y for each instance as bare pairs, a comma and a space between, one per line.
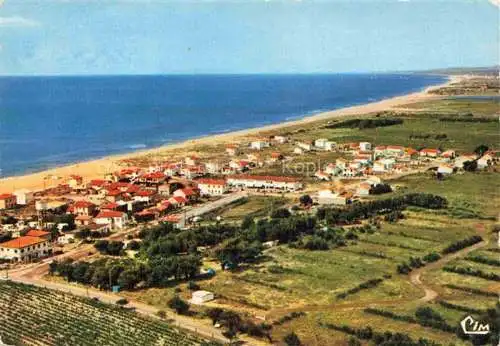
80, 37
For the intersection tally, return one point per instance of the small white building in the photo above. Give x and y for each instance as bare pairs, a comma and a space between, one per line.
320, 143
24, 196
114, 219
259, 145
363, 189
200, 297
330, 146
306, 146
66, 239
365, 146
280, 139
445, 169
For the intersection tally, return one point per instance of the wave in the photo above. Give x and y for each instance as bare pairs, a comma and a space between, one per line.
136, 146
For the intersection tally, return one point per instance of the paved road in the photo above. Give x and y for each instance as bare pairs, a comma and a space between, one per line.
211, 206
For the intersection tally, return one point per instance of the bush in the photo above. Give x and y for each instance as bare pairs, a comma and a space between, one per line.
280, 213
161, 314
292, 339
461, 244
179, 305
193, 286
432, 257
122, 301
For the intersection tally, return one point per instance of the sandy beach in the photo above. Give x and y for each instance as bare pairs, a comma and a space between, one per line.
97, 168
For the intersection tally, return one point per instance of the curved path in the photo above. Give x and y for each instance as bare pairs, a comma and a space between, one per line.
414, 277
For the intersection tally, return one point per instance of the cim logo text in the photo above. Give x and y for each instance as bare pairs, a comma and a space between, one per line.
473, 327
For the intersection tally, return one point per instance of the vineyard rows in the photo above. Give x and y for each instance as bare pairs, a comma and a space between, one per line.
32, 315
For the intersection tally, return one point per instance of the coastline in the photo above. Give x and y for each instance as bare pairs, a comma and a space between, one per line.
96, 168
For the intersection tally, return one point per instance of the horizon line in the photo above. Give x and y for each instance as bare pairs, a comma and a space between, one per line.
430, 71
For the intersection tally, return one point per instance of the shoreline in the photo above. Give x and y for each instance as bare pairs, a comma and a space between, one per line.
96, 168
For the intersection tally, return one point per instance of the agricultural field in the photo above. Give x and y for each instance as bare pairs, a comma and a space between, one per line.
39, 316
470, 195
477, 106
255, 206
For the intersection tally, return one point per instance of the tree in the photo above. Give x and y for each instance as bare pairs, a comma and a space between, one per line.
481, 149
280, 213
128, 279
179, 305
247, 222
305, 200
470, 166
292, 339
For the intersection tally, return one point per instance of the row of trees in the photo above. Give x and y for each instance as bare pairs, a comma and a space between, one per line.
366, 210
128, 273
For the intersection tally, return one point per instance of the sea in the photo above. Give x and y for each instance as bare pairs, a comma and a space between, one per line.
51, 121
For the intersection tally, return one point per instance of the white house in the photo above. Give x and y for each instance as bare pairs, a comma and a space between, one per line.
306, 146
363, 189
482, 162
365, 146
383, 165
298, 151
330, 146
394, 151
212, 187
25, 248
200, 297
212, 167
445, 169
320, 143
66, 238
24, 196
280, 139
322, 175
115, 219
259, 145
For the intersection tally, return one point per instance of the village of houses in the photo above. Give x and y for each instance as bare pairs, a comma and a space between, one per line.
173, 191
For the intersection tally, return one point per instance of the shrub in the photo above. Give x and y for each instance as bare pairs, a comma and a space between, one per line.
461, 244
179, 305
292, 339
122, 301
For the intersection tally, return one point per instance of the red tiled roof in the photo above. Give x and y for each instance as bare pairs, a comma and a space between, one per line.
83, 218
208, 181
145, 193
22, 242
105, 214
83, 204
98, 182
172, 218
179, 199
114, 192
433, 151
265, 177
37, 233
154, 175
6, 196
109, 206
